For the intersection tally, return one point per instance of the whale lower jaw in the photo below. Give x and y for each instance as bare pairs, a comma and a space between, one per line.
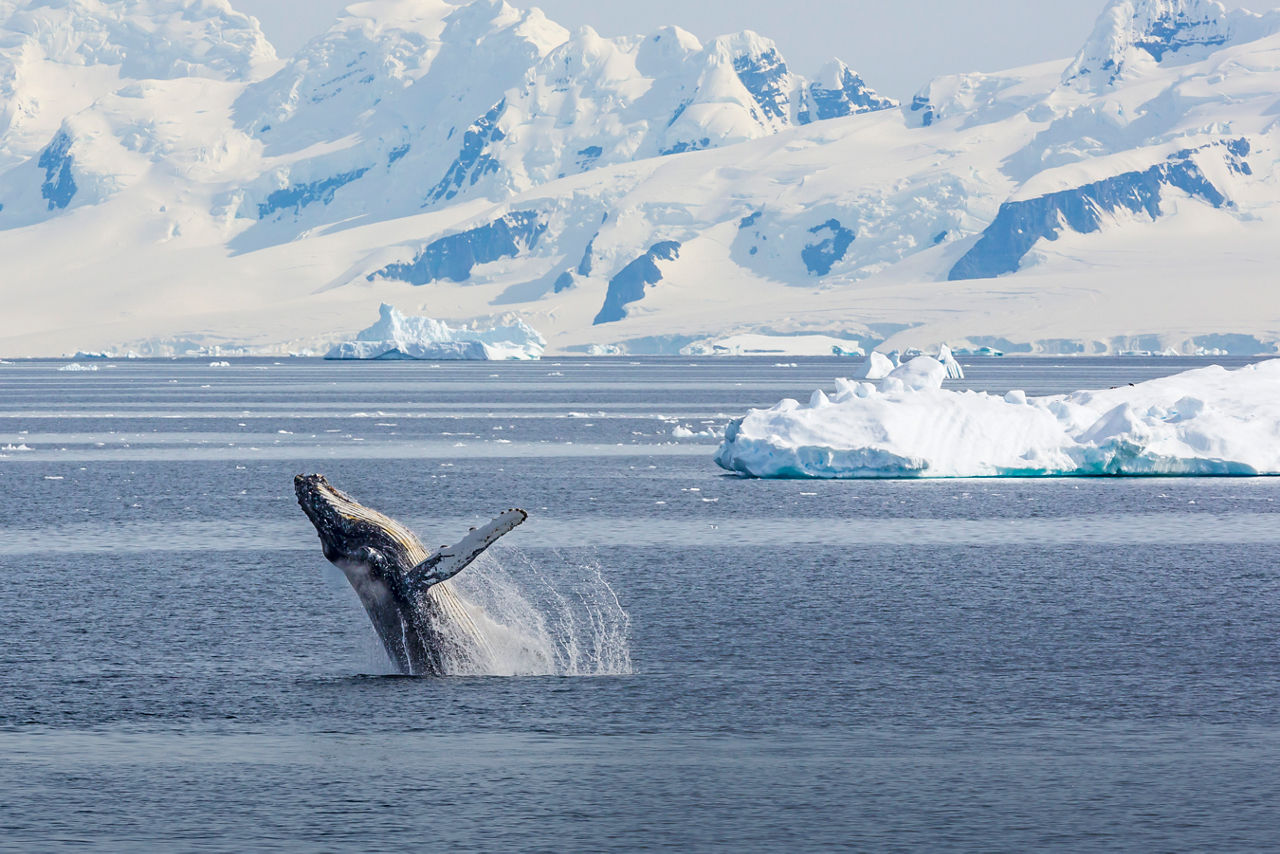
373, 593
391, 620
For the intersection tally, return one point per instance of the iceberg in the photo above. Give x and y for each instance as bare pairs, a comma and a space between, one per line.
948, 360
878, 366
762, 344
397, 336
1207, 422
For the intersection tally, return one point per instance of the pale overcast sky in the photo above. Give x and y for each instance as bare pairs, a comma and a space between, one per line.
897, 45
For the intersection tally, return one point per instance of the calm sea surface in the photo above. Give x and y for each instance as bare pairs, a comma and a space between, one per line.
982, 665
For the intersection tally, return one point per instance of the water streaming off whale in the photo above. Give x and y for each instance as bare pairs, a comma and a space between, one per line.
552, 614
546, 616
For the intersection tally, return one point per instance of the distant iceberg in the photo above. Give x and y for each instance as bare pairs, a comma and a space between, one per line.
1209, 421
396, 336
878, 365
99, 355
758, 344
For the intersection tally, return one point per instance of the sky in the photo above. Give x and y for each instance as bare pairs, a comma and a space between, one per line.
896, 45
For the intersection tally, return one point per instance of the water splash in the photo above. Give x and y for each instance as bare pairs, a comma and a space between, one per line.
553, 616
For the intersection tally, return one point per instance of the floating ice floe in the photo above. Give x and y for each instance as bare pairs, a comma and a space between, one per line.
76, 366
219, 364
682, 432
1209, 421
396, 336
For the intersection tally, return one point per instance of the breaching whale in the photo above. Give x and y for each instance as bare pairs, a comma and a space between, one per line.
420, 619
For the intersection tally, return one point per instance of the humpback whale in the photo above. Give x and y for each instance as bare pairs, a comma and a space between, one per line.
421, 620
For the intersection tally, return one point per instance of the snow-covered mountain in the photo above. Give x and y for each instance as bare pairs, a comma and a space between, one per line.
1137, 34
167, 184
484, 100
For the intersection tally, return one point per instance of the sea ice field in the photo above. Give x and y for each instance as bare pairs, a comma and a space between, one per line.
724, 663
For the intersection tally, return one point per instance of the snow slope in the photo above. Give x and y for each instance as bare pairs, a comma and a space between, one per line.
168, 186
1204, 422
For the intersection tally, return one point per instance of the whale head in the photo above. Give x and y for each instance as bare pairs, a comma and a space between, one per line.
349, 531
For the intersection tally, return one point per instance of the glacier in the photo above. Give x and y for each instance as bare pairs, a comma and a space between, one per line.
1208, 421
635, 194
397, 336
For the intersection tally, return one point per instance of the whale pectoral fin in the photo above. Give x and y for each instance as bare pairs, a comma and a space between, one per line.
451, 560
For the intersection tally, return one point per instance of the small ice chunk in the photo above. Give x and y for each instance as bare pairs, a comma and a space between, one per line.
876, 367
954, 371
682, 432
923, 373
1016, 397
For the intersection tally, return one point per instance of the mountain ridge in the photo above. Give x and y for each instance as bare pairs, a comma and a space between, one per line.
638, 194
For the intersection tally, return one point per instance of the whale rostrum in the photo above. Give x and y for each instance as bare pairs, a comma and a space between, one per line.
422, 621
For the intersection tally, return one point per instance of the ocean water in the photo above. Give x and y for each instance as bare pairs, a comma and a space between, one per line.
986, 665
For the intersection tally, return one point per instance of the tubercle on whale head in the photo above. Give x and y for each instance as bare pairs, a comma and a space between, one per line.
315, 496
